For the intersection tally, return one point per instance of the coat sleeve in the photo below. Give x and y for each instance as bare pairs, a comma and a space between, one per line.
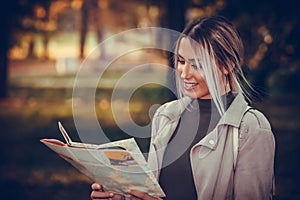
254, 173
152, 157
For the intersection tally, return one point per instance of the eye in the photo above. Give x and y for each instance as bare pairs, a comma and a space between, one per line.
181, 61
194, 65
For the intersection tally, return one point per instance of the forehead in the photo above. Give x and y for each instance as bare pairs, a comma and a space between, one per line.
185, 48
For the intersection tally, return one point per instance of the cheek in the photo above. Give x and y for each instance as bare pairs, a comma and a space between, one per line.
201, 80
199, 75
177, 69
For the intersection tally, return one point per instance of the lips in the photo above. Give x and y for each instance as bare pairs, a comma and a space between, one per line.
189, 85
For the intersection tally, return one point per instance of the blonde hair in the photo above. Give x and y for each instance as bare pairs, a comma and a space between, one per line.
218, 45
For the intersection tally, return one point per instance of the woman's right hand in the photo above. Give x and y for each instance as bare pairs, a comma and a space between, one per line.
99, 193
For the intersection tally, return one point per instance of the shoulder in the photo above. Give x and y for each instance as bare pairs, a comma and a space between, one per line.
256, 142
255, 124
256, 118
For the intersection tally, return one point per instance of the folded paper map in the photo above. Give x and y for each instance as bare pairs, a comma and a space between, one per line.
118, 166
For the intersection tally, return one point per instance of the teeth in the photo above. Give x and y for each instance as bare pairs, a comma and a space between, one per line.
190, 84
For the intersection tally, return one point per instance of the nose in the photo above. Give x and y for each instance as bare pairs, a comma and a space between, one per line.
184, 71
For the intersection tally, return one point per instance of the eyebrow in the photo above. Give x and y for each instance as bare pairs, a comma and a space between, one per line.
190, 59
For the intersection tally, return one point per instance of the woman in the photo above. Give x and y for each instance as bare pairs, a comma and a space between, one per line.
193, 149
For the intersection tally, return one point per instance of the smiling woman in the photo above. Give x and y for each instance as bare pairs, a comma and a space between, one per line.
192, 76
214, 48
209, 144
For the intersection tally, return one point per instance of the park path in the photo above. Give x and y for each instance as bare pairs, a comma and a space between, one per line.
31, 68
47, 74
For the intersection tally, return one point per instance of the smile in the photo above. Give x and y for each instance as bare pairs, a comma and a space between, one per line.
189, 85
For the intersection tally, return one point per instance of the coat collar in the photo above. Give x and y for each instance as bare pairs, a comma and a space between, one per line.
232, 117
173, 110
234, 114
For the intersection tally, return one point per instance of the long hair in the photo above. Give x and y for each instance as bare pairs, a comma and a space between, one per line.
218, 45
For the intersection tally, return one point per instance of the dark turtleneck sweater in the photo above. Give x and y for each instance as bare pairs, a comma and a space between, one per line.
176, 177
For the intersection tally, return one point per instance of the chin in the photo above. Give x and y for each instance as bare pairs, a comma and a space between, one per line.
194, 95
191, 95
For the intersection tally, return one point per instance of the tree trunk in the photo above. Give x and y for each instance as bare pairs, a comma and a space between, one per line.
3, 59
84, 26
176, 14
5, 32
45, 45
31, 46
97, 26
175, 19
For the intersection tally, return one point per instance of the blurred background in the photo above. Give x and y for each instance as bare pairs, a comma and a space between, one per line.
43, 43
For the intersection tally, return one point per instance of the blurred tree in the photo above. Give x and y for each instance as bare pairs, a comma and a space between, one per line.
13, 14
37, 18
175, 20
270, 30
86, 6
41, 24
90, 14
175, 14
7, 11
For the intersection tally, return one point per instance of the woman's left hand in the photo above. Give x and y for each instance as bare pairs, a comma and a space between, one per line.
141, 195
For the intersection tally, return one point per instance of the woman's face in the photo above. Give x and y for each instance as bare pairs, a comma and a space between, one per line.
193, 79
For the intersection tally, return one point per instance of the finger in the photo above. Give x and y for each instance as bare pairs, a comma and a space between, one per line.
118, 197
97, 187
101, 195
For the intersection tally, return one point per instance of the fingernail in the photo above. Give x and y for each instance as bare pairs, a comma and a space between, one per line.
111, 194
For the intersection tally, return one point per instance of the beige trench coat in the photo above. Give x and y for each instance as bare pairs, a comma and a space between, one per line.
212, 158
